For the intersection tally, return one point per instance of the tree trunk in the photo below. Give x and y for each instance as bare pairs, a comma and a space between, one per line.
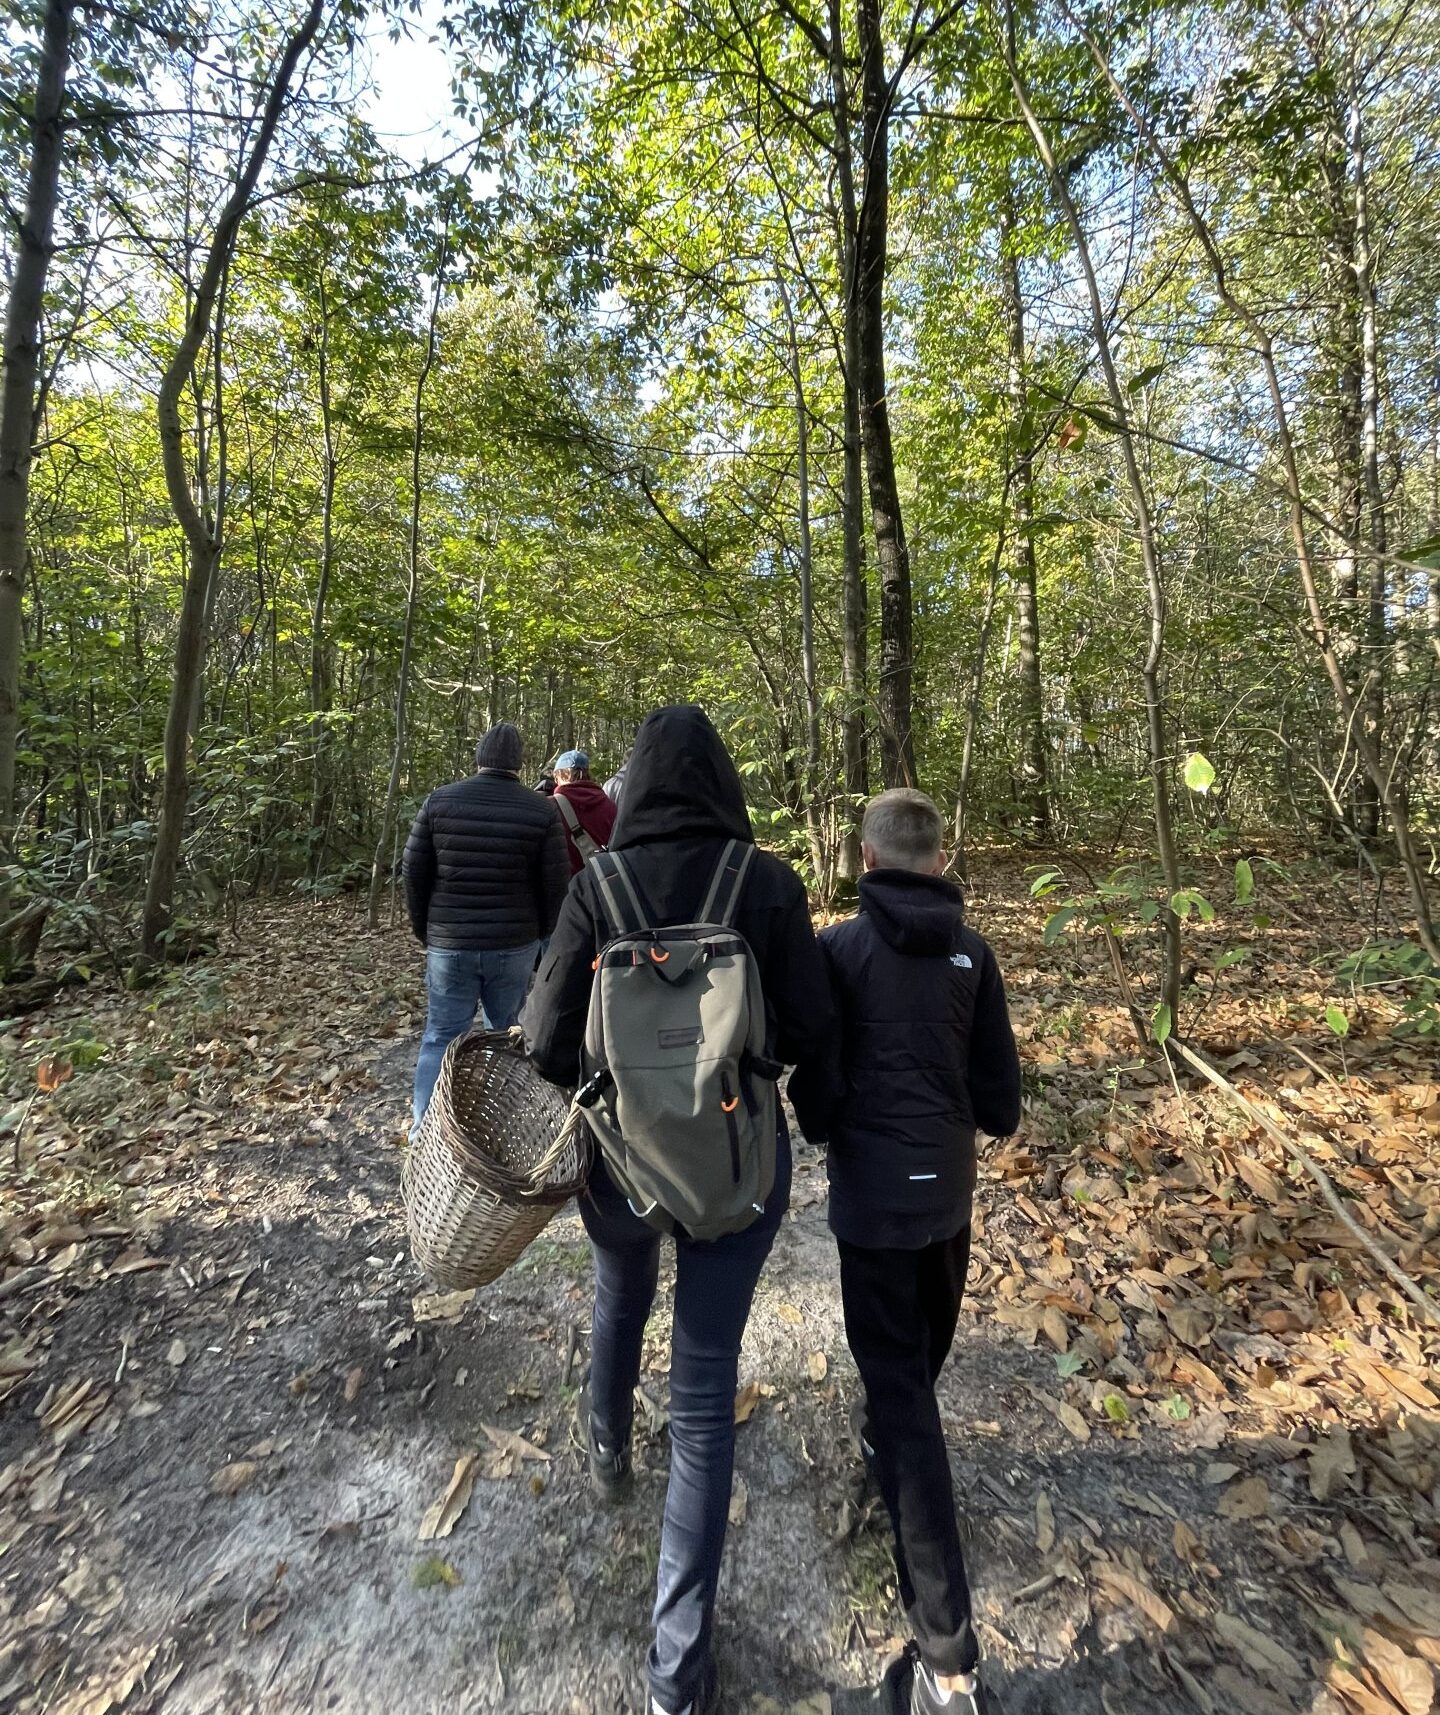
855, 615
1349, 506
31, 264
1377, 643
1150, 671
202, 548
212, 499
1320, 632
383, 861
1034, 770
959, 861
321, 793
810, 786
892, 555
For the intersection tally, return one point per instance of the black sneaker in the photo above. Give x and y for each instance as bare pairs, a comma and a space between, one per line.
706, 1703
610, 1473
861, 1434
909, 1688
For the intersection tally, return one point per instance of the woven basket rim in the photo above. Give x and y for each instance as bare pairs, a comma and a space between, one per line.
512, 1186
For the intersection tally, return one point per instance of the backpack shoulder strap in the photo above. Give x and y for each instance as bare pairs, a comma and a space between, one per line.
622, 902
728, 881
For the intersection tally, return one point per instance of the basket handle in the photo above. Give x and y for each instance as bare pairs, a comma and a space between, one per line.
540, 1172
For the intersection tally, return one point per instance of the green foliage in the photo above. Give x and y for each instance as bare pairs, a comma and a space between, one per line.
1404, 972
1199, 773
609, 492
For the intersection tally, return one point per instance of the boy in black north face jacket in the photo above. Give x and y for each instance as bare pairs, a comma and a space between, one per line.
924, 1055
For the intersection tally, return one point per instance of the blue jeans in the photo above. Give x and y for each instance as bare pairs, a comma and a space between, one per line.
714, 1284
456, 985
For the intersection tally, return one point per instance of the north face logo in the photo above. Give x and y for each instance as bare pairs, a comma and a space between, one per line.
961, 962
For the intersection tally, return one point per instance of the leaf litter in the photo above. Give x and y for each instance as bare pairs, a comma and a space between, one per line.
1171, 1290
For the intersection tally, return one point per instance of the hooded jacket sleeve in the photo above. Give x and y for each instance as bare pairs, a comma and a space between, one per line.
796, 979
554, 1015
554, 876
816, 1086
419, 869
994, 1059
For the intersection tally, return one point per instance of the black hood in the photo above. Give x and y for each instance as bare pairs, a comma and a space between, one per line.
679, 783
914, 913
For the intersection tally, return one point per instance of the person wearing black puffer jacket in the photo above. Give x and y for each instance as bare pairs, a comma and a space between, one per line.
683, 801
485, 872
924, 1054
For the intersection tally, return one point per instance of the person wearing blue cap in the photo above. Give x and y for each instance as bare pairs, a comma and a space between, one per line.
588, 815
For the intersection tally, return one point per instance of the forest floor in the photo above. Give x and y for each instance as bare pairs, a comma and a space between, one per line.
1196, 1442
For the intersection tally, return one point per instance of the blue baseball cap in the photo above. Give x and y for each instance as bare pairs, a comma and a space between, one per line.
572, 759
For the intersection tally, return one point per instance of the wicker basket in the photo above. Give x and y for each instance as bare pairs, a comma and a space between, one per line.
498, 1152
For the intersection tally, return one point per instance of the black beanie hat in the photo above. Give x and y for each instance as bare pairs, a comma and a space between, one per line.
502, 747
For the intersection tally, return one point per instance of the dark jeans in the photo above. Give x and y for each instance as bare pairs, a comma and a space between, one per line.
714, 1283
901, 1308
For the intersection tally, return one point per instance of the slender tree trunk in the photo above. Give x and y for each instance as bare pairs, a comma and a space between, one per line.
321, 792
1349, 506
814, 822
1150, 671
213, 499
31, 264
202, 548
892, 555
1034, 770
1376, 632
959, 860
382, 861
855, 606
1320, 632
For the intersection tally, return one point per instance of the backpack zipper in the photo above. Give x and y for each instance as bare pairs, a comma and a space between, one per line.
729, 1101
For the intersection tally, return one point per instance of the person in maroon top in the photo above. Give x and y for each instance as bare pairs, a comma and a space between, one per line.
588, 815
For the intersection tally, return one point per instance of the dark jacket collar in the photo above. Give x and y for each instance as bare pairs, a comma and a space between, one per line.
680, 783
912, 913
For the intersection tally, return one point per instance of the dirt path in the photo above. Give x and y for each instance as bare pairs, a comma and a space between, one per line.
227, 1417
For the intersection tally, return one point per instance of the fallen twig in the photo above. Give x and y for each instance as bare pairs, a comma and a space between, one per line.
1038, 1588
26, 1277
1415, 1293
1314, 1065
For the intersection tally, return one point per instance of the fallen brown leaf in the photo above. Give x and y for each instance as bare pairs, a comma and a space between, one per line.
1258, 1650
443, 1515
441, 1306
1044, 1523
1245, 1500
1409, 1681
1331, 1461
231, 1478
1139, 1594
509, 1442
746, 1402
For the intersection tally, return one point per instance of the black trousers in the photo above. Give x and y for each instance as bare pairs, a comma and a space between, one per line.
901, 1307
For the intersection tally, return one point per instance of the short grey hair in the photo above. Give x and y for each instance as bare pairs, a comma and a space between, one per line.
904, 829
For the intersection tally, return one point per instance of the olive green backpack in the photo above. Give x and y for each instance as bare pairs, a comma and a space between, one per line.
678, 1090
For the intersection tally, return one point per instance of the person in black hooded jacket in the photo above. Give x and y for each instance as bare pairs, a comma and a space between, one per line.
682, 802
923, 1055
